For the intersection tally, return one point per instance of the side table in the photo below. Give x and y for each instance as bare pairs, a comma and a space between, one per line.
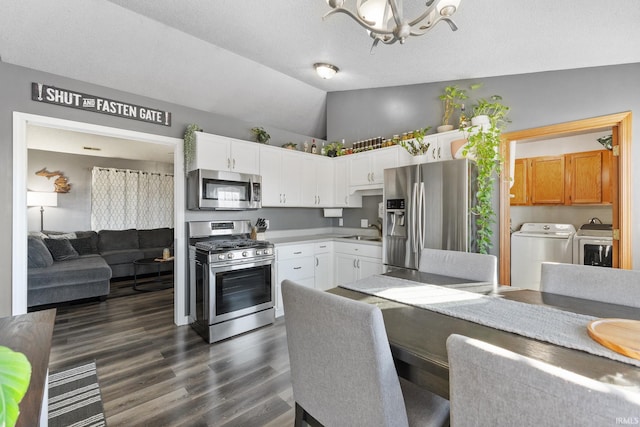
148, 261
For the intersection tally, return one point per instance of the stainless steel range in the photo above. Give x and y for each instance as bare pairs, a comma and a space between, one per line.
232, 279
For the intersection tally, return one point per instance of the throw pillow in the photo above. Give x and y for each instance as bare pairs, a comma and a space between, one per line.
61, 249
83, 245
38, 255
62, 236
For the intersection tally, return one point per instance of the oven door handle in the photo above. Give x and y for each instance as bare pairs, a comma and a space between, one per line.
240, 264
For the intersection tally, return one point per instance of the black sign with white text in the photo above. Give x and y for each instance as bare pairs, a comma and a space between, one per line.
67, 98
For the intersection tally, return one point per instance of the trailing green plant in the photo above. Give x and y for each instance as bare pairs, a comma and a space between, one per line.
261, 135
15, 375
417, 146
451, 101
484, 146
190, 145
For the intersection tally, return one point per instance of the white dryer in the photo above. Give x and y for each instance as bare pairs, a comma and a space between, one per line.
534, 244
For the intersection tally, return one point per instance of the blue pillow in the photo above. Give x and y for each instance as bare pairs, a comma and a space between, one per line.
38, 255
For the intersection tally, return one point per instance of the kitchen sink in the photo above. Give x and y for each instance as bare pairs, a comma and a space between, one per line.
366, 238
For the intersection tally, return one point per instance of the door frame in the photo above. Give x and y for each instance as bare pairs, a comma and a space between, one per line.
19, 214
620, 124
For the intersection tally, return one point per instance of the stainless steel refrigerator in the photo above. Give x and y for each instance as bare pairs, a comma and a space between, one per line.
428, 206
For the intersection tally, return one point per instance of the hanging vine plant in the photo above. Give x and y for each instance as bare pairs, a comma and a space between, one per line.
190, 145
484, 146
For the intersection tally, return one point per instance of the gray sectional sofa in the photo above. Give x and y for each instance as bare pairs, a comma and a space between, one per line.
69, 266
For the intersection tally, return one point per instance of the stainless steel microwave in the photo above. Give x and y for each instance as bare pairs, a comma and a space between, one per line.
222, 190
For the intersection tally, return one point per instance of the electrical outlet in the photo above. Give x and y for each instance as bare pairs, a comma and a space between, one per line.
364, 223
340, 222
266, 223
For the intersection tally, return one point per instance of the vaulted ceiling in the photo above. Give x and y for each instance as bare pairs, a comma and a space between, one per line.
253, 59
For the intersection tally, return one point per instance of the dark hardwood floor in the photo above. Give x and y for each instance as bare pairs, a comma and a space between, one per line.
153, 373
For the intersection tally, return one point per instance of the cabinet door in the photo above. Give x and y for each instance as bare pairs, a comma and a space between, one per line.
444, 144
292, 171
245, 157
368, 267
381, 160
270, 169
519, 195
585, 171
323, 276
547, 180
345, 268
324, 180
359, 169
309, 181
212, 152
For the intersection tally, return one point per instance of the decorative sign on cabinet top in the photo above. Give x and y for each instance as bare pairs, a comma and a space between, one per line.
68, 98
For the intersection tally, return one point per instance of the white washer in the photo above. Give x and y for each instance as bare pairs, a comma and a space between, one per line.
534, 244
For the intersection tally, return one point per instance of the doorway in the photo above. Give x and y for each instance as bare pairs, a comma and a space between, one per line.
620, 125
19, 257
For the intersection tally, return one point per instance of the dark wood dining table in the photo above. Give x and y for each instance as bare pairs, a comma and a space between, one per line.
418, 336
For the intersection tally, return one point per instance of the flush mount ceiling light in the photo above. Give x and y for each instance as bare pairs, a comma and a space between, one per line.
384, 19
326, 71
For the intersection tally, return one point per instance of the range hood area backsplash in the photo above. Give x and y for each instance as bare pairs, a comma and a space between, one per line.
296, 218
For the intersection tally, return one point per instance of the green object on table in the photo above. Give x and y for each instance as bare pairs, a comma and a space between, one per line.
15, 375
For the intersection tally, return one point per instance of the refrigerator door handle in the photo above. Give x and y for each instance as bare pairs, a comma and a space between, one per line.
423, 212
414, 218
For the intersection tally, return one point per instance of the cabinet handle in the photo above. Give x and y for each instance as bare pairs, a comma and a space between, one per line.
355, 263
297, 253
318, 199
358, 263
317, 262
280, 197
373, 177
228, 163
346, 200
439, 151
433, 153
285, 198
297, 268
234, 164
369, 177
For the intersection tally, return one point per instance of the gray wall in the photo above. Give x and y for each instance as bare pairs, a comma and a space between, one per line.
73, 212
15, 93
536, 99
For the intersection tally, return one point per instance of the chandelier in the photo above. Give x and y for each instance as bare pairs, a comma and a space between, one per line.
385, 22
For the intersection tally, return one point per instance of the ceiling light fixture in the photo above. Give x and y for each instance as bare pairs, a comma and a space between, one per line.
384, 19
326, 71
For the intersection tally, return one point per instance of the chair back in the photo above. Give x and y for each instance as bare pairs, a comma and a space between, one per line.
610, 285
465, 265
342, 370
491, 386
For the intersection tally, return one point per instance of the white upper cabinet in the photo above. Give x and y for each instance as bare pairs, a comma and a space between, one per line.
282, 172
341, 196
317, 181
220, 153
366, 170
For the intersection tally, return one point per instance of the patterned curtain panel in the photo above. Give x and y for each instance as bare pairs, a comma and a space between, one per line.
122, 199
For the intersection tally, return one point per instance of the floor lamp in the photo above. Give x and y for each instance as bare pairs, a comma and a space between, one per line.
42, 199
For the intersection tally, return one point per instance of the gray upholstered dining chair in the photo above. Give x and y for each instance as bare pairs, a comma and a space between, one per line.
610, 285
465, 265
492, 386
342, 370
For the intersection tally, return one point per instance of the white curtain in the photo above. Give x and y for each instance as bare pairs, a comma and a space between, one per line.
122, 198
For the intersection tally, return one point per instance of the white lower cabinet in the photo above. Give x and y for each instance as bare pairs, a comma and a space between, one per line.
297, 263
323, 277
354, 261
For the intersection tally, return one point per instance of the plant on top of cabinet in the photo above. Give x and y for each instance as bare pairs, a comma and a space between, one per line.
451, 100
290, 145
261, 135
416, 146
190, 145
334, 149
484, 146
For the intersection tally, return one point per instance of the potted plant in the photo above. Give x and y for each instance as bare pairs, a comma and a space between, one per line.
261, 135
190, 145
290, 145
484, 147
417, 146
15, 376
334, 149
451, 100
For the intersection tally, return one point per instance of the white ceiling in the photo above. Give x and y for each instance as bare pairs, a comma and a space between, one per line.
253, 59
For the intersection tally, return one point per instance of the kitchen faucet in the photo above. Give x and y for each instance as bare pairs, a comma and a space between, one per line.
377, 227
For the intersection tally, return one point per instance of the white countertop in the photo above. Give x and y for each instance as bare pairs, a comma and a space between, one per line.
315, 238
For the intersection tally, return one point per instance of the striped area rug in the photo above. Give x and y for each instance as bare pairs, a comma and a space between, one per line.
74, 397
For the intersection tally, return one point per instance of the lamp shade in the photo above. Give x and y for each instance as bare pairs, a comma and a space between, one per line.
41, 198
